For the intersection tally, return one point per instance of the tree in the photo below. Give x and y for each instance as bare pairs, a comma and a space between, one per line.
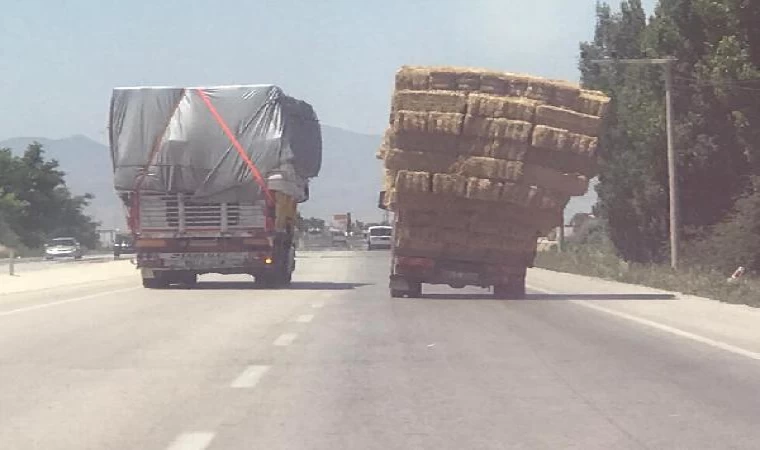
35, 203
717, 116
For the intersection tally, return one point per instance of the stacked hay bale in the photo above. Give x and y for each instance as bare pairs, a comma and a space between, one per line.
478, 164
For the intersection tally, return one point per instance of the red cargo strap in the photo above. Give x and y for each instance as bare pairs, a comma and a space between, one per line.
251, 166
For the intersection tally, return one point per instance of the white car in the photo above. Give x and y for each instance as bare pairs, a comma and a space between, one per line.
64, 247
379, 237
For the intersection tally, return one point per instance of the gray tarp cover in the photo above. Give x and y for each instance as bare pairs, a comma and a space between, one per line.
170, 139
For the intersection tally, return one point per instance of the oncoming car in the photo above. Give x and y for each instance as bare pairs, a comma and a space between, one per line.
63, 247
379, 237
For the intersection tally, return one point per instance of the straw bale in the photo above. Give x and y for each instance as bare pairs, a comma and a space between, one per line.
417, 218
444, 78
426, 142
483, 189
564, 141
484, 167
558, 93
416, 182
397, 160
493, 83
477, 126
515, 130
414, 78
507, 149
516, 108
593, 103
562, 162
410, 121
424, 239
469, 80
572, 121
445, 123
449, 184
429, 101
389, 180
546, 177
520, 194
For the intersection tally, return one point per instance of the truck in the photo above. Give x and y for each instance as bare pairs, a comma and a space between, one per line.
477, 165
211, 178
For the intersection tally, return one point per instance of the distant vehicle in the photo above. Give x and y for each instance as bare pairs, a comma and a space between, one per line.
339, 237
379, 237
123, 245
63, 247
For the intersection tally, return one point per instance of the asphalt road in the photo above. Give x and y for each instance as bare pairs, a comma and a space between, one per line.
334, 363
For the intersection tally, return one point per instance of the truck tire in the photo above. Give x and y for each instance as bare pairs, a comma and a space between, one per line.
513, 289
414, 291
155, 283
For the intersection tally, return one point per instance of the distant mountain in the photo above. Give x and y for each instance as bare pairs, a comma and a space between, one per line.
88, 168
349, 181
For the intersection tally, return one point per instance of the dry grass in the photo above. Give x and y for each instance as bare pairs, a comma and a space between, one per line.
601, 262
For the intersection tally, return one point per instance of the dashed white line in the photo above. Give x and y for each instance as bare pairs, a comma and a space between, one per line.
63, 302
250, 377
305, 318
192, 441
318, 304
662, 327
285, 339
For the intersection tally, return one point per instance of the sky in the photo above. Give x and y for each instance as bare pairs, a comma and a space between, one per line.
59, 60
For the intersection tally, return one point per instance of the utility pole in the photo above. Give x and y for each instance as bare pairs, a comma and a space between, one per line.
675, 220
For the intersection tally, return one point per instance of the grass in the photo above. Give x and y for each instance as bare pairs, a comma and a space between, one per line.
601, 262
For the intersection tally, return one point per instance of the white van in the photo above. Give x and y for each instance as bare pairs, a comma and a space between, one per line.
379, 237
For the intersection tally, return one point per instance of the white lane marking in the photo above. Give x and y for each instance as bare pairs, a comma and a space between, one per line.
318, 304
305, 318
192, 441
285, 339
662, 327
250, 377
63, 302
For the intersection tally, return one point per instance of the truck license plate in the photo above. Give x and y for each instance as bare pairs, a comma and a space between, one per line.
466, 277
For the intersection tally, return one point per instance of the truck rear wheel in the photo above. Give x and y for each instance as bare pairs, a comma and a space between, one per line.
513, 289
414, 291
155, 283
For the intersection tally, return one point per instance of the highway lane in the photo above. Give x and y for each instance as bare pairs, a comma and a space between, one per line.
334, 363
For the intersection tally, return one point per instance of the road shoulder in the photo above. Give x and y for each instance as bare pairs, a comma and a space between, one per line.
705, 320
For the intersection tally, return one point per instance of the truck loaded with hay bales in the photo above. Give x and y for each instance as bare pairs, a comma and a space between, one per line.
478, 165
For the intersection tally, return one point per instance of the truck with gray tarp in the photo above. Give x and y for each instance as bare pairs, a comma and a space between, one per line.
211, 178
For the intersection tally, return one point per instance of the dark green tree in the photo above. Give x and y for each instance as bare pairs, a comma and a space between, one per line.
716, 109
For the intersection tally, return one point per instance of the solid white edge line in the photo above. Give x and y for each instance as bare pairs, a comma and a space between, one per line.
285, 339
662, 327
192, 441
305, 318
63, 302
250, 377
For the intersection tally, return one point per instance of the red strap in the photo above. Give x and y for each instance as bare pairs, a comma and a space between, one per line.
231, 136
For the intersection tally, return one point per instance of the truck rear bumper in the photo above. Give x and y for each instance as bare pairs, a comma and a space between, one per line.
453, 273
199, 263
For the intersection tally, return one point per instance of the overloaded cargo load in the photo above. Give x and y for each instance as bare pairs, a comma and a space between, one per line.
478, 164
170, 139
211, 177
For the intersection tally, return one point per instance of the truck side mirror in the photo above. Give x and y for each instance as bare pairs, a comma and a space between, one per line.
381, 201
